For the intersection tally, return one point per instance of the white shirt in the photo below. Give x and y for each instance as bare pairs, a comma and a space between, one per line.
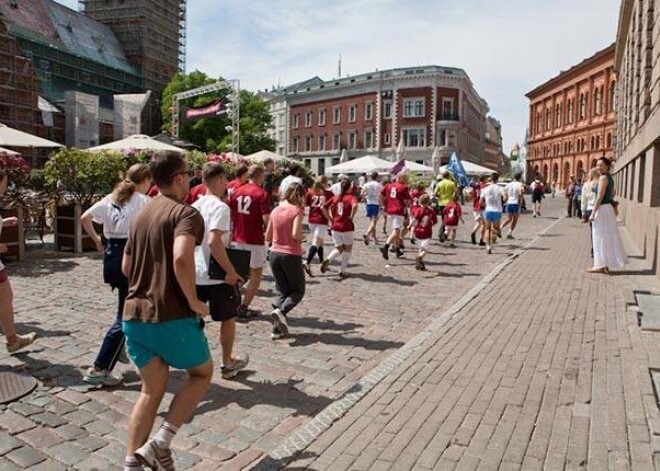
116, 219
286, 183
217, 217
361, 181
588, 196
336, 188
492, 195
372, 192
513, 191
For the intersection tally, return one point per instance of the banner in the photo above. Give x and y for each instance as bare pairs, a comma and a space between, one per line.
128, 114
456, 168
82, 120
212, 109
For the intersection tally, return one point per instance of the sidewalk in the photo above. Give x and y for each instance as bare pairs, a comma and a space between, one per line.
545, 369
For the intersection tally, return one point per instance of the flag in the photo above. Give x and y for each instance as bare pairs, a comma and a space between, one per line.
398, 167
456, 168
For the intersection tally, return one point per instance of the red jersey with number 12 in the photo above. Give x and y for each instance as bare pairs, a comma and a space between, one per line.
249, 204
233, 185
426, 219
341, 207
316, 201
396, 195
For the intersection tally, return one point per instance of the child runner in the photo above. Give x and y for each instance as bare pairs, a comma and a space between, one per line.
395, 197
514, 193
316, 198
15, 342
341, 211
116, 213
492, 199
415, 196
424, 218
371, 192
453, 213
285, 231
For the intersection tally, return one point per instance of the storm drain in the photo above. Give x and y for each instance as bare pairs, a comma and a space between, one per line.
13, 386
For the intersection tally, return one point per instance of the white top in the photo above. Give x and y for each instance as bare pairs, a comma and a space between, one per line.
492, 195
217, 217
286, 183
372, 191
513, 191
361, 181
588, 196
336, 188
116, 219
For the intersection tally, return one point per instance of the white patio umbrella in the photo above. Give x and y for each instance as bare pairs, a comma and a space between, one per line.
8, 152
262, 155
411, 166
366, 164
344, 156
472, 169
137, 141
14, 138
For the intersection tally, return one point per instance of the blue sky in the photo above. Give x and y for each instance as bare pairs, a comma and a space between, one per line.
507, 47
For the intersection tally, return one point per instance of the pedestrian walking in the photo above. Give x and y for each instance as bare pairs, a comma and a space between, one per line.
576, 196
589, 193
116, 213
569, 196
445, 191
395, 198
371, 193
513, 194
341, 210
423, 220
285, 231
415, 197
608, 248
452, 215
538, 193
163, 318
478, 212
250, 209
492, 198
222, 295
15, 342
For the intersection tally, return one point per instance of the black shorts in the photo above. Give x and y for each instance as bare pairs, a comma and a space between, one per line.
224, 300
536, 197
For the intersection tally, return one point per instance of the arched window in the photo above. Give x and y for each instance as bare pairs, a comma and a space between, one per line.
612, 96
547, 119
569, 112
609, 140
597, 142
583, 104
598, 105
593, 140
558, 115
538, 122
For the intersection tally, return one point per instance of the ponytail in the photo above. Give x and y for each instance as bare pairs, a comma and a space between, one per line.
125, 189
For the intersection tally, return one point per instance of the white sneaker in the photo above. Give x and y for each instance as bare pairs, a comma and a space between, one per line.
102, 377
154, 457
279, 320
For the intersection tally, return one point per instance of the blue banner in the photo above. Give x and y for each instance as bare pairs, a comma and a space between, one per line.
456, 168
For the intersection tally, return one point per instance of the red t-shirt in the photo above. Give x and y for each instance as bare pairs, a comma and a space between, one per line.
153, 191
341, 207
316, 201
233, 185
426, 219
415, 196
249, 204
476, 197
453, 212
195, 193
396, 196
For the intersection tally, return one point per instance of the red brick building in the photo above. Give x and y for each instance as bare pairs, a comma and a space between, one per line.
370, 113
571, 119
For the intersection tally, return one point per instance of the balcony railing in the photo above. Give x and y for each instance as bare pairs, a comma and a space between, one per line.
447, 117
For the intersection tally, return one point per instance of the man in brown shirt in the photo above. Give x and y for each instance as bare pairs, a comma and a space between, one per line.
162, 315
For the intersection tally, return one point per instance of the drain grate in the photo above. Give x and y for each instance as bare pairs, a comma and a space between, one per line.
649, 311
14, 386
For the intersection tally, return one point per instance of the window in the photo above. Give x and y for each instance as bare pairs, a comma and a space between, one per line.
538, 122
308, 163
336, 115
336, 141
352, 113
321, 117
448, 106
308, 144
612, 96
442, 137
368, 139
583, 106
294, 145
609, 140
387, 109
597, 142
368, 111
558, 116
569, 112
322, 142
598, 102
547, 119
593, 143
414, 137
308, 119
413, 108
352, 140
295, 121
387, 139
321, 166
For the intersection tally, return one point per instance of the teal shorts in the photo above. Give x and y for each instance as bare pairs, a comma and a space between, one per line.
180, 343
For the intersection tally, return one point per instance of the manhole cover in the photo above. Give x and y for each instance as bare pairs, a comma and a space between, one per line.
649, 307
14, 386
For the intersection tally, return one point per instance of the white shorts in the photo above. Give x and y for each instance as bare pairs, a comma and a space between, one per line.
257, 253
396, 221
477, 215
424, 244
318, 230
342, 238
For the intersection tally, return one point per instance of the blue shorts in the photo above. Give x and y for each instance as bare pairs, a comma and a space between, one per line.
373, 210
492, 216
513, 208
180, 343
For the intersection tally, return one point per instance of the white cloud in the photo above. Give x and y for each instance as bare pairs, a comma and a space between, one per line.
507, 47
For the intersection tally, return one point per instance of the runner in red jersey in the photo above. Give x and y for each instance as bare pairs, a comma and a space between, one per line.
396, 198
415, 195
315, 199
195, 193
477, 211
341, 210
240, 180
423, 220
250, 209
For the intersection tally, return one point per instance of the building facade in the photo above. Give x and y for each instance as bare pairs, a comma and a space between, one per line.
494, 158
370, 114
637, 168
571, 120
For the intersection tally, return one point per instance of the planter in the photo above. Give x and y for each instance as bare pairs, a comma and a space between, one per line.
69, 234
14, 237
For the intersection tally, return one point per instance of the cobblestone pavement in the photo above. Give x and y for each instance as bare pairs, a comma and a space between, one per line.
545, 369
342, 330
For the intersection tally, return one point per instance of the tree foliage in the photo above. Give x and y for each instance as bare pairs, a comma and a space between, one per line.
210, 133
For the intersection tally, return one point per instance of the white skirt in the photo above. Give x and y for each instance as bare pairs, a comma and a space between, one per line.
608, 248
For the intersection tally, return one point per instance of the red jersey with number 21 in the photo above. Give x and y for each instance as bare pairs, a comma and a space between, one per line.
249, 204
316, 201
426, 219
341, 207
396, 195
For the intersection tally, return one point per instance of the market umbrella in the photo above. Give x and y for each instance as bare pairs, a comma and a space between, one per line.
8, 152
471, 169
344, 156
366, 164
411, 166
14, 138
262, 155
139, 142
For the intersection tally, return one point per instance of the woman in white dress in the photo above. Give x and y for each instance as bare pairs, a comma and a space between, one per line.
608, 249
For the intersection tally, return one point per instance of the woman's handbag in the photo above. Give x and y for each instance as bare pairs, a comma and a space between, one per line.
239, 258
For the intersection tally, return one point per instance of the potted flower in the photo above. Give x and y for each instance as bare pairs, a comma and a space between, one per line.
18, 172
79, 178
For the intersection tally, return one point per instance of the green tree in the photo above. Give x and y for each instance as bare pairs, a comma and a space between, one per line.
211, 133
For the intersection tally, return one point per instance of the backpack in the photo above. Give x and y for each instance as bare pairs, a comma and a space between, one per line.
539, 188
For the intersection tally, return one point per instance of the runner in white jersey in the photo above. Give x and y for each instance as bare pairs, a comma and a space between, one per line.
371, 192
491, 197
513, 193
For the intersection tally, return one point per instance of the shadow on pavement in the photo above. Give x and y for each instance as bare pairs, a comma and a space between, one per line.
382, 279
22, 327
322, 324
455, 275
306, 339
38, 268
